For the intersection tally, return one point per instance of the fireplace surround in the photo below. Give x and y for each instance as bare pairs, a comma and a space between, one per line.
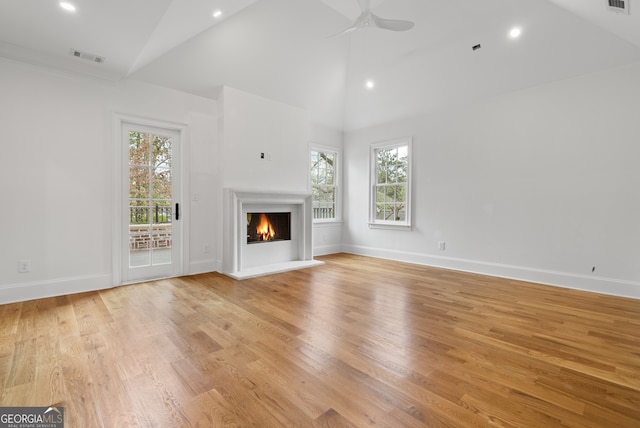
244, 259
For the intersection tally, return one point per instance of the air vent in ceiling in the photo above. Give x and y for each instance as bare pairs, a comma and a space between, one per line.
86, 56
619, 6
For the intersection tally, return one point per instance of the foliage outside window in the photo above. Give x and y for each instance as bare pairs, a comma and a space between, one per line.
149, 178
324, 188
391, 179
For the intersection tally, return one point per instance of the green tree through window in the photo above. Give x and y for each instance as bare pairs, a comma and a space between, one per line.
323, 184
149, 178
391, 183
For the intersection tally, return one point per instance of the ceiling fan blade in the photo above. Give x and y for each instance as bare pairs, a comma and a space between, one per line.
360, 22
392, 24
367, 20
343, 32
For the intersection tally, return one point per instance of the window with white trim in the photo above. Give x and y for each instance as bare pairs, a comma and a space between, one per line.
391, 183
324, 185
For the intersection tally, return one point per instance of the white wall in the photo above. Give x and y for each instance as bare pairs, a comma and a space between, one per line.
57, 173
542, 185
252, 125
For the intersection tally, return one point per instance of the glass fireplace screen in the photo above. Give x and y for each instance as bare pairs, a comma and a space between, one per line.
266, 227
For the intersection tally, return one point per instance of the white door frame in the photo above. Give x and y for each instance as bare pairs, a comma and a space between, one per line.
118, 244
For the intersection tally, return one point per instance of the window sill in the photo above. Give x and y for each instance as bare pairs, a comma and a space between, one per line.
390, 226
327, 223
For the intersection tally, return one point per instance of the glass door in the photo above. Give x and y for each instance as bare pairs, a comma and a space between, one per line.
151, 203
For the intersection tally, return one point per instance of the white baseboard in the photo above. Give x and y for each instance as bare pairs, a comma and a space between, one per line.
596, 284
12, 293
204, 266
323, 250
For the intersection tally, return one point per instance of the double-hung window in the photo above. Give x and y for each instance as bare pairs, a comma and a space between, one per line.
391, 184
324, 185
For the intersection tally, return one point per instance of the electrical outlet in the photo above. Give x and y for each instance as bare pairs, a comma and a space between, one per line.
205, 248
24, 266
441, 245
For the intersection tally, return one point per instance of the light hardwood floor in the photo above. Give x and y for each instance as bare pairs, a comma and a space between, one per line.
357, 342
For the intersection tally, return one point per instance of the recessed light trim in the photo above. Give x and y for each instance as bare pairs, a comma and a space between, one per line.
370, 84
515, 32
67, 6
217, 13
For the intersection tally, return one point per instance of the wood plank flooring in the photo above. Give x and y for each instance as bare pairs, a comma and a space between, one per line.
357, 342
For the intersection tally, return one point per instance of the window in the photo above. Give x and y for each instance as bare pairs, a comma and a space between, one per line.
391, 183
324, 185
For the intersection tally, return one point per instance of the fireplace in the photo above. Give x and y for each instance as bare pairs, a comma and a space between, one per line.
268, 227
266, 233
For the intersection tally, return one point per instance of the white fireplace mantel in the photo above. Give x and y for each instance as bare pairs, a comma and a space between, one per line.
236, 202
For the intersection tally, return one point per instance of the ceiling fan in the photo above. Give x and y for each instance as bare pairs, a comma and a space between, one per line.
368, 19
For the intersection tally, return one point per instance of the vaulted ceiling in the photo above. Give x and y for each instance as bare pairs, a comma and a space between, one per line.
282, 49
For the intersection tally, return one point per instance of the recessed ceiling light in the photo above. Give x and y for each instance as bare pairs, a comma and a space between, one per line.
370, 84
217, 13
515, 32
67, 6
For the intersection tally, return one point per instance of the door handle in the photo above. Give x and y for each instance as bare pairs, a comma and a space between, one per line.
177, 211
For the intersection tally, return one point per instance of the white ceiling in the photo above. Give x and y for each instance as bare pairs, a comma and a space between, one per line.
281, 49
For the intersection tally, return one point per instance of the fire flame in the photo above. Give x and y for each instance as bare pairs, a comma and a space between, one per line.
265, 229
